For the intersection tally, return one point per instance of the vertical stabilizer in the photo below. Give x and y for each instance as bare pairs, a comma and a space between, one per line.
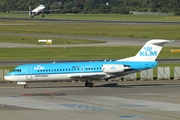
149, 52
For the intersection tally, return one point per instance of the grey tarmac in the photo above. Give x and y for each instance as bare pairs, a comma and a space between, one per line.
110, 41
115, 100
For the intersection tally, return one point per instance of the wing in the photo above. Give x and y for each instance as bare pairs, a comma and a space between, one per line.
87, 75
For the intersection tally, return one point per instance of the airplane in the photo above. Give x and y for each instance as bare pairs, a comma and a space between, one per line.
38, 10
88, 71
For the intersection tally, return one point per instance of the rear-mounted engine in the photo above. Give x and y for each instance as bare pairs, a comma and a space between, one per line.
114, 68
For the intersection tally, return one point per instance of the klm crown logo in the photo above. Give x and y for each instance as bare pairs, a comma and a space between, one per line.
148, 51
148, 48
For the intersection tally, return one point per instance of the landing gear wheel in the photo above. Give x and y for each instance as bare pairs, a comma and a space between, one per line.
91, 84
25, 86
87, 84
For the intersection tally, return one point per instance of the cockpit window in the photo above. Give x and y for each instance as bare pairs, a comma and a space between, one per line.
17, 70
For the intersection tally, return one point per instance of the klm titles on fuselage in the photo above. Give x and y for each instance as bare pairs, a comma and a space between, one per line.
148, 52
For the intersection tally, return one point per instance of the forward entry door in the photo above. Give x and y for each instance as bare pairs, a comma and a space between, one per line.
29, 73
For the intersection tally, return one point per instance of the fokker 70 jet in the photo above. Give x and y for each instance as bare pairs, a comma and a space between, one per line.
88, 71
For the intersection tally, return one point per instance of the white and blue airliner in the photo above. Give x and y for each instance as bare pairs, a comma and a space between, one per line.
88, 71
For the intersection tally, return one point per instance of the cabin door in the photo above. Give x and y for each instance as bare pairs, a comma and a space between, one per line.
29, 73
82, 69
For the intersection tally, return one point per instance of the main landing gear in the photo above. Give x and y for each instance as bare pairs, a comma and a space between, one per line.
25, 86
89, 84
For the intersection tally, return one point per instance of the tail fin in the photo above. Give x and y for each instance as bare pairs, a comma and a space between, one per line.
149, 51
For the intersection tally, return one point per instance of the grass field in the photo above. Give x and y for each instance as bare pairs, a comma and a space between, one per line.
84, 29
34, 40
96, 17
94, 29
76, 53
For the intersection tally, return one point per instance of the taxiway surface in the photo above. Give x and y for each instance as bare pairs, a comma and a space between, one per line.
109, 41
136, 100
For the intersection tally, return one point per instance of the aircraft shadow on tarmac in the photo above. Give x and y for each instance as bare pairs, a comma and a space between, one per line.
129, 86
115, 85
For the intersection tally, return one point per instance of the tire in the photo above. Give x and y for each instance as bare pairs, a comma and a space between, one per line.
87, 84
91, 85
25, 86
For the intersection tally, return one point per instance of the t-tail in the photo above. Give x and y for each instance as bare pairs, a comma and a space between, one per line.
149, 52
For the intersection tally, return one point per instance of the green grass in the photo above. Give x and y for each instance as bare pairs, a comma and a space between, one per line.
10, 68
34, 40
76, 53
94, 29
96, 17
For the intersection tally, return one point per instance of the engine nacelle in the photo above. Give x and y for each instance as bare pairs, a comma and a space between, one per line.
114, 68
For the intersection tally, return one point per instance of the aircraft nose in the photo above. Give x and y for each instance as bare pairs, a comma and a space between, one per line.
7, 77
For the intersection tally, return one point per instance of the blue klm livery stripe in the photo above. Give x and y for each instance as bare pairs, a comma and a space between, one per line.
77, 67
